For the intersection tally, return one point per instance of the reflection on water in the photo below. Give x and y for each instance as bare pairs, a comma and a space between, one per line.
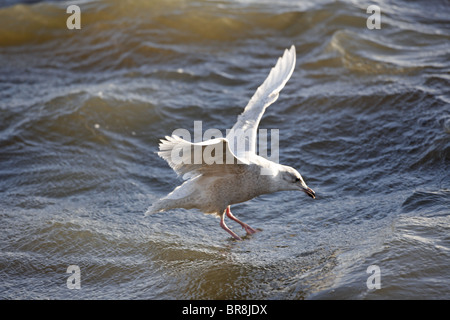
364, 117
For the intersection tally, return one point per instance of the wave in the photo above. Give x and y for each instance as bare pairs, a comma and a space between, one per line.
126, 35
436, 202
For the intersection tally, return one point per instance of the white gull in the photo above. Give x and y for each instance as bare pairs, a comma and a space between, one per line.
234, 174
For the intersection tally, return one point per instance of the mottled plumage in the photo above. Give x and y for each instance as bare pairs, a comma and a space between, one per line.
229, 173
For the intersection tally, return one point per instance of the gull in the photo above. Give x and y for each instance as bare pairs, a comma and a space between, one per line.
229, 171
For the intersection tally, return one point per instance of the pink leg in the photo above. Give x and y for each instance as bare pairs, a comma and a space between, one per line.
247, 228
224, 226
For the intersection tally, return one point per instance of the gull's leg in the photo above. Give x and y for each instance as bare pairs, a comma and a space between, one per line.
247, 228
224, 226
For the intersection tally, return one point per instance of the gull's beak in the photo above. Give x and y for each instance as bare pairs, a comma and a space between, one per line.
310, 192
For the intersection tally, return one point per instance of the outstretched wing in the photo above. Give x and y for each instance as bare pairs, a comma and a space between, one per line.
242, 136
212, 157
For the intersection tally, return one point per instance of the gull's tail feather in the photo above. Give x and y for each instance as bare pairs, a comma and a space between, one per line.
155, 208
160, 206
180, 197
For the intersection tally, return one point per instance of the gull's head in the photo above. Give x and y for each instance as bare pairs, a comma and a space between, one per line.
290, 179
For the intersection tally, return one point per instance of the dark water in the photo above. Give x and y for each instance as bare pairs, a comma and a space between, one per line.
365, 118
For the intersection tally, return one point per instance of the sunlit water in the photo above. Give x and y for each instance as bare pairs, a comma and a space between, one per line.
365, 118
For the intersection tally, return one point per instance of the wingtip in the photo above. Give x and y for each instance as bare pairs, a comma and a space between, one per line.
291, 51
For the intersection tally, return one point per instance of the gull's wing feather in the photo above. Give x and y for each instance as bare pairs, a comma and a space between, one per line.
212, 157
245, 130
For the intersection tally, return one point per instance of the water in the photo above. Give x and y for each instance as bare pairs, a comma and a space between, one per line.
365, 118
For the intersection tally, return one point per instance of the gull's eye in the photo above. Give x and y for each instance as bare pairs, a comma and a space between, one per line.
297, 179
